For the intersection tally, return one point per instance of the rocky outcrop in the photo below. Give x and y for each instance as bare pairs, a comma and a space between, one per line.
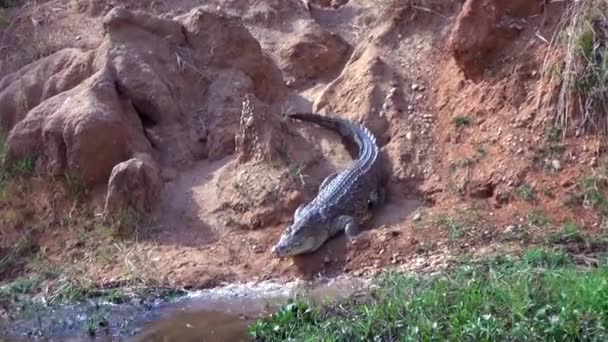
170, 89
485, 27
313, 54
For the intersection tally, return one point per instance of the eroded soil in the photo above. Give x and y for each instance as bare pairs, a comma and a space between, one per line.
188, 98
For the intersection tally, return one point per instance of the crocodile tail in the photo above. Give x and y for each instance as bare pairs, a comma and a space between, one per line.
347, 129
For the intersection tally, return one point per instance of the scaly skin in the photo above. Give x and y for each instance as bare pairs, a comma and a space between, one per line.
345, 199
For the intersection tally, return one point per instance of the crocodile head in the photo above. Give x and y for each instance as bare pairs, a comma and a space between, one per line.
304, 235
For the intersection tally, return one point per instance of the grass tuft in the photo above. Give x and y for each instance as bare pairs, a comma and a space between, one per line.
461, 121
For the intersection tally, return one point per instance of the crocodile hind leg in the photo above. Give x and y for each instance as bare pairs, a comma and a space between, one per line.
348, 224
376, 197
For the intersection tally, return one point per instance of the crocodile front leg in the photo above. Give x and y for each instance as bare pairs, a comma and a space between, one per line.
348, 224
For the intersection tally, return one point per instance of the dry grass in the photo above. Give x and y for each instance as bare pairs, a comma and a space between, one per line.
24, 39
580, 73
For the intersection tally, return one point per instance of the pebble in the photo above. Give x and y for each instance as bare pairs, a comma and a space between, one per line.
417, 216
409, 136
509, 229
326, 260
555, 164
410, 108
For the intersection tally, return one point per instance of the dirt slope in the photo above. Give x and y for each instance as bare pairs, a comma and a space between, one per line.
183, 102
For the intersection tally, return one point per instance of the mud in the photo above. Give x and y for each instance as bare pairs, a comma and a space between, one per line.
218, 314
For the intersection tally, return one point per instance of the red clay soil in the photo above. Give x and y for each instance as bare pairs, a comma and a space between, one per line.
174, 108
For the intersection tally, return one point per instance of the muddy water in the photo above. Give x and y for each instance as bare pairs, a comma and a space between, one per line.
219, 314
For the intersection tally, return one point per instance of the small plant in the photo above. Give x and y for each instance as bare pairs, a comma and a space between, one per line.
460, 121
296, 173
538, 218
283, 323
23, 167
3, 20
455, 227
98, 319
75, 186
592, 190
526, 192
127, 222
481, 152
20, 286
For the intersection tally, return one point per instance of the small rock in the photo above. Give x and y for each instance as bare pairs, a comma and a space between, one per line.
555, 164
419, 97
326, 260
415, 87
409, 136
417, 216
509, 229
410, 108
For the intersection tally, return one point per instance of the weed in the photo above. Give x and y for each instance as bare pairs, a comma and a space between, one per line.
461, 121
592, 192
538, 218
20, 286
127, 222
481, 152
23, 166
18, 250
4, 22
569, 233
455, 228
75, 186
296, 173
70, 289
540, 296
526, 192
96, 320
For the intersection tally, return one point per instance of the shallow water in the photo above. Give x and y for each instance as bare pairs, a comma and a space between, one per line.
219, 314
200, 325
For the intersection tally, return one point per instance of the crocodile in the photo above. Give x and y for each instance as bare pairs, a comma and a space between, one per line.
346, 199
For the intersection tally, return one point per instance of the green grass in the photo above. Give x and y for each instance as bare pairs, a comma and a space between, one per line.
541, 296
461, 121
